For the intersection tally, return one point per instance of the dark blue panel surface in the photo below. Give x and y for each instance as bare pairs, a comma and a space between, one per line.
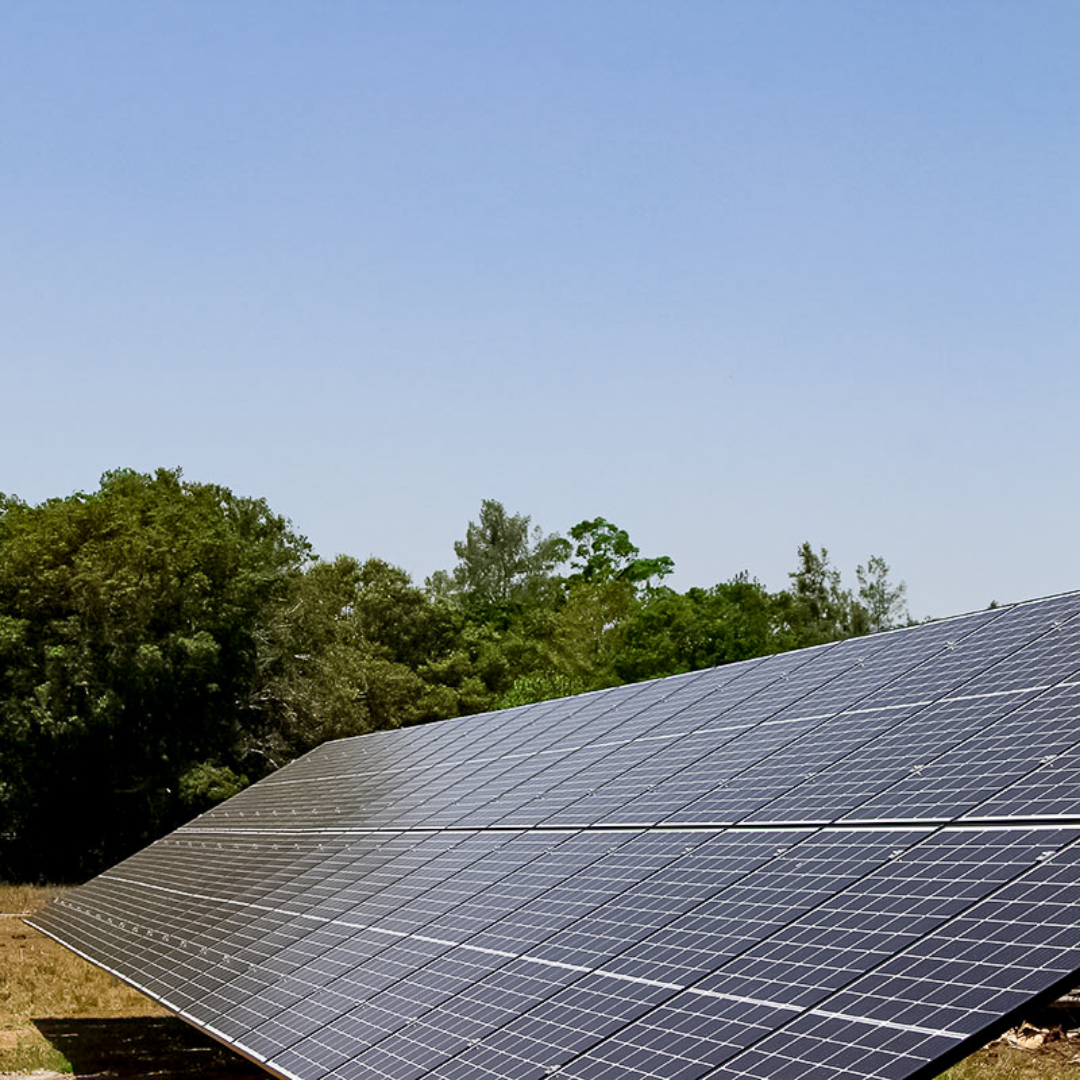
848, 861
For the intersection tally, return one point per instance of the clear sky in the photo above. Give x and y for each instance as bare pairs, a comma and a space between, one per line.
733, 274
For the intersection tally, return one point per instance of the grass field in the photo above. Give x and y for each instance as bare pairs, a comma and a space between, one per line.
59, 1014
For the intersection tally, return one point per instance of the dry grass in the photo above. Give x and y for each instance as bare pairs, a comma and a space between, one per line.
23, 899
1057, 1059
40, 979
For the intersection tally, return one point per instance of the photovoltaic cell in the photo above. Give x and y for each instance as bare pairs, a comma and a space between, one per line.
854, 860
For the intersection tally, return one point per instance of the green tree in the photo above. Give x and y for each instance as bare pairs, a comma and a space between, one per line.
129, 626
359, 648
602, 553
583, 634
673, 632
815, 608
501, 561
884, 604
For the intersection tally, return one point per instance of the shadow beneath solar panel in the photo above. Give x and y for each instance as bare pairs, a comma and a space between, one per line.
144, 1046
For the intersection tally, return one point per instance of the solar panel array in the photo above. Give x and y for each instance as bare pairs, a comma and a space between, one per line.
858, 859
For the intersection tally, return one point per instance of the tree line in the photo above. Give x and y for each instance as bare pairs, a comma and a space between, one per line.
163, 643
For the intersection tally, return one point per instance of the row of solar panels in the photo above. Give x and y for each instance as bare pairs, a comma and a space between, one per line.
551, 889
308, 951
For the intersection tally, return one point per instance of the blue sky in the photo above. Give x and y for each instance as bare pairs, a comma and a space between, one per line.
733, 275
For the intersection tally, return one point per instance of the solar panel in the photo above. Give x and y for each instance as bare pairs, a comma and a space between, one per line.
860, 859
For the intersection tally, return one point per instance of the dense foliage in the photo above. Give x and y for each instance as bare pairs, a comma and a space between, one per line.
163, 643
